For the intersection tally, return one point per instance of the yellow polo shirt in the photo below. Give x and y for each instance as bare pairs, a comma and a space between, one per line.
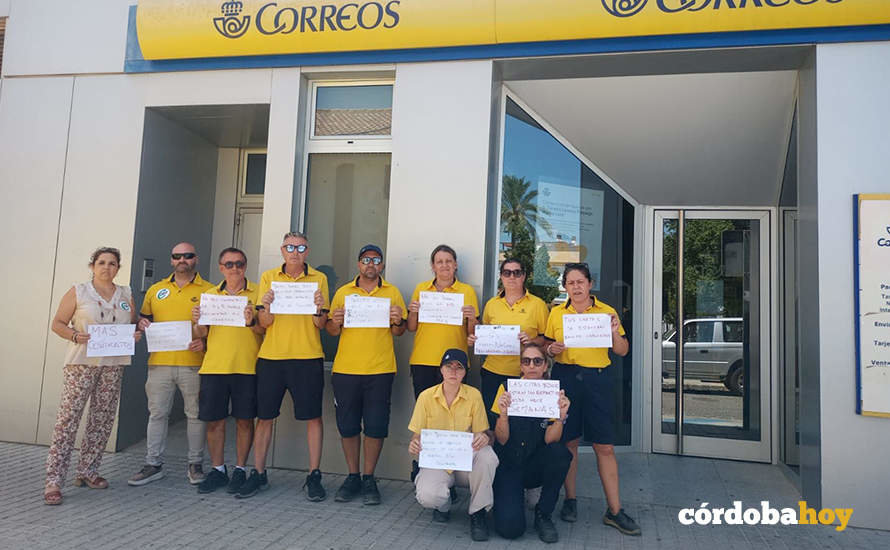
466, 413
529, 312
292, 336
165, 301
432, 339
232, 350
366, 350
586, 357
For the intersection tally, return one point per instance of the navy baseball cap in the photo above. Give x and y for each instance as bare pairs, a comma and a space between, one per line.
455, 354
369, 248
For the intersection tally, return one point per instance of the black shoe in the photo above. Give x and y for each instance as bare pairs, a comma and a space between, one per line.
622, 522
213, 481
479, 525
314, 490
239, 476
350, 489
545, 528
415, 469
454, 495
441, 517
370, 494
255, 483
569, 511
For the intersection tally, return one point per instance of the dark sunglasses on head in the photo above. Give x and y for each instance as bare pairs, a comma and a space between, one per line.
376, 260
512, 273
526, 361
180, 255
296, 247
229, 265
574, 265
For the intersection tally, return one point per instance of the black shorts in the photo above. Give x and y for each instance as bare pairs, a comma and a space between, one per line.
425, 376
362, 400
303, 378
218, 390
592, 412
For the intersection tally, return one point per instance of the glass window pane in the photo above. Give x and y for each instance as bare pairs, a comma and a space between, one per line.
353, 110
255, 181
347, 207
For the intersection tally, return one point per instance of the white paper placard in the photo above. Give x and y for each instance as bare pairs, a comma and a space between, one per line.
169, 336
221, 310
366, 312
534, 398
294, 298
110, 340
446, 450
496, 340
587, 330
441, 307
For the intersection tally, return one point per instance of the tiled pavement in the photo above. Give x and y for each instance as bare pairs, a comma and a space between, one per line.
170, 514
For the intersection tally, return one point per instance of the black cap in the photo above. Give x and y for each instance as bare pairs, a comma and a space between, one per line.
455, 354
369, 248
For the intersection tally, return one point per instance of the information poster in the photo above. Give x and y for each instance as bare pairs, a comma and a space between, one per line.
441, 307
533, 398
497, 340
446, 450
366, 312
587, 330
169, 335
222, 310
294, 298
110, 340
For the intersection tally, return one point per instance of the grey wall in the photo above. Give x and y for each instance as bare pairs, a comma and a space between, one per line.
177, 184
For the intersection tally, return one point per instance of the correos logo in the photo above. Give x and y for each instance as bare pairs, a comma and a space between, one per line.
623, 8
884, 241
273, 18
626, 8
230, 24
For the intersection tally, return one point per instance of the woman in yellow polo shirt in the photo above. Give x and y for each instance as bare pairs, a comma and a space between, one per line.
514, 305
589, 384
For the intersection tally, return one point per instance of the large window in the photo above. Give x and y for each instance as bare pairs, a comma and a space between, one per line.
556, 210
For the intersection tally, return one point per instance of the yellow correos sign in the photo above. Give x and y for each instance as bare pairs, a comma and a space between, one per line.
180, 29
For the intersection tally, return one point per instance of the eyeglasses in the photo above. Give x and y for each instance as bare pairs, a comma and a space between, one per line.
180, 255
376, 260
537, 361
296, 247
229, 265
512, 273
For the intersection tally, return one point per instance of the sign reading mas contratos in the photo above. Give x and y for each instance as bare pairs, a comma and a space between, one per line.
182, 29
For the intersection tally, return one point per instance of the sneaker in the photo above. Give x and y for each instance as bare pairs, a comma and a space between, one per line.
239, 476
622, 522
255, 483
370, 494
479, 525
314, 490
441, 517
147, 474
569, 511
544, 526
213, 481
196, 473
351, 488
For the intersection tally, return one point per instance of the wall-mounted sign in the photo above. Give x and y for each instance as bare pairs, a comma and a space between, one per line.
184, 29
872, 276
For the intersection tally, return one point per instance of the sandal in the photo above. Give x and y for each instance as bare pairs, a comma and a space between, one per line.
97, 482
52, 497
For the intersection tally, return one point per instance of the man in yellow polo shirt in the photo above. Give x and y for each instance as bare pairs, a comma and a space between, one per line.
363, 373
172, 299
290, 360
228, 375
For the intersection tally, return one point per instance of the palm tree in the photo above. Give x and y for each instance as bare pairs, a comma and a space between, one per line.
519, 209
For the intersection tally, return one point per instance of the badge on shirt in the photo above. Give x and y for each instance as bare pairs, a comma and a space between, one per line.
163, 293
125, 306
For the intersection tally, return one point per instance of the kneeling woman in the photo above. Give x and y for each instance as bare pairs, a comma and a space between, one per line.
531, 455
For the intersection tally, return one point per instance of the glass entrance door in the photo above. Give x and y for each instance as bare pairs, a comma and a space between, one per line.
711, 334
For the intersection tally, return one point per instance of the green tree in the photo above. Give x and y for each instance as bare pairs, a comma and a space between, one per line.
519, 209
541, 279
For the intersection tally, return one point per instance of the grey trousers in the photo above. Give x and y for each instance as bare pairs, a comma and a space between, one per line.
160, 387
432, 487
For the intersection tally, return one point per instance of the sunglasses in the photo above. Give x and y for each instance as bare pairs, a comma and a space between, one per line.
512, 273
537, 361
577, 265
180, 255
296, 247
376, 260
229, 265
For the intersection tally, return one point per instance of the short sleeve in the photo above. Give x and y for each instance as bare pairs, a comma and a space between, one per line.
418, 417
146, 303
470, 299
264, 286
338, 301
541, 317
480, 418
486, 313
494, 406
552, 320
323, 286
397, 300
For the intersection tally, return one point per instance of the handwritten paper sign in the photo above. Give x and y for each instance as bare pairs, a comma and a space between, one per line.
587, 330
497, 340
110, 340
227, 311
366, 312
294, 298
441, 307
169, 336
446, 450
534, 398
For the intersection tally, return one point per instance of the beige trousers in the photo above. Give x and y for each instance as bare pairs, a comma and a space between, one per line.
432, 487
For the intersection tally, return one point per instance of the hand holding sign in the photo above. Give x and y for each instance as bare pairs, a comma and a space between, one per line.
294, 298
222, 310
110, 340
366, 312
496, 340
445, 308
533, 398
446, 450
587, 330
